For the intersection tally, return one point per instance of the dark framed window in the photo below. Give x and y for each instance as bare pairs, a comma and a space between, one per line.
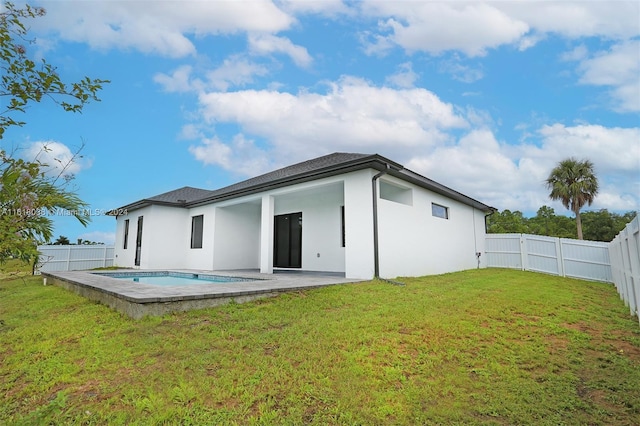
197, 224
342, 226
138, 258
126, 234
439, 211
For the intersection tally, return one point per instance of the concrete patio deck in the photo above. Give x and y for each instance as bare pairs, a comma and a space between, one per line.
137, 300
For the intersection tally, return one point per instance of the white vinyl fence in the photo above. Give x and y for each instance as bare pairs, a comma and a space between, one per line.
625, 264
565, 257
74, 258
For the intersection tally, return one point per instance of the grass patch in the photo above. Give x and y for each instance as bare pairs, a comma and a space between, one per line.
14, 268
109, 268
476, 347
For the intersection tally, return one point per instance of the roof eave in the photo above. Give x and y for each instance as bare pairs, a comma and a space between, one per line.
120, 211
373, 161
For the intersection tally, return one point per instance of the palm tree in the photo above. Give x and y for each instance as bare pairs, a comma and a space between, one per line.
575, 184
61, 241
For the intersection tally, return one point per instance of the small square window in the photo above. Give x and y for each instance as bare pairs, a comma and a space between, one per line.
439, 211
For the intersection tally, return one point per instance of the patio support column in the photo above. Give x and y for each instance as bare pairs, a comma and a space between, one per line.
266, 235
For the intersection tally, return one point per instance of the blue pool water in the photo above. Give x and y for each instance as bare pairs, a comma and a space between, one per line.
167, 279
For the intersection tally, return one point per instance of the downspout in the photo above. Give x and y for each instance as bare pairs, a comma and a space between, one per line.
374, 187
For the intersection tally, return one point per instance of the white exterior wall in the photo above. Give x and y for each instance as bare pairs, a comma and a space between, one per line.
122, 257
359, 219
163, 238
413, 242
201, 258
237, 237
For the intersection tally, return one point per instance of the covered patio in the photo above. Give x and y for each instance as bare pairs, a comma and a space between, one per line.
299, 228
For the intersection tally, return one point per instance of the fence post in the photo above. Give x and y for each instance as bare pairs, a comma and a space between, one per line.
68, 258
559, 257
634, 272
523, 252
615, 257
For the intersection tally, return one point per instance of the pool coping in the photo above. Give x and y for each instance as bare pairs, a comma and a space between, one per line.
138, 300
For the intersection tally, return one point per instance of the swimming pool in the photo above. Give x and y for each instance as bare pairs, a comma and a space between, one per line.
172, 279
139, 300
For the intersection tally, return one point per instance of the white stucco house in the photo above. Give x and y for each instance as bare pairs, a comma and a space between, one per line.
354, 214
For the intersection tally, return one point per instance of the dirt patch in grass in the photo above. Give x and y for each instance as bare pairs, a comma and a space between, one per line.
619, 341
88, 390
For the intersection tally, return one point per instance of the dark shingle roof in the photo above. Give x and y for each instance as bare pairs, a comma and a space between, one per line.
328, 165
309, 167
296, 169
184, 195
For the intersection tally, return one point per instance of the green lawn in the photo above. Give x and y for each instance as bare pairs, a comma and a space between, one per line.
477, 347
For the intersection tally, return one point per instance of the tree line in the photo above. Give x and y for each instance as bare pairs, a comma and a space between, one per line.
64, 241
600, 225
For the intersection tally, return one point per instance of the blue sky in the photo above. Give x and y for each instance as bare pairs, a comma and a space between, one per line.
484, 97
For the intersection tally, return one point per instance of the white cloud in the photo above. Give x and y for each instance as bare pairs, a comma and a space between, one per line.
164, 27
529, 41
460, 72
352, 113
241, 156
610, 198
266, 44
375, 44
404, 78
437, 27
323, 7
611, 149
234, 71
190, 131
576, 19
414, 127
56, 158
159, 27
475, 27
455, 145
476, 163
178, 81
578, 53
615, 153
512, 176
618, 68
